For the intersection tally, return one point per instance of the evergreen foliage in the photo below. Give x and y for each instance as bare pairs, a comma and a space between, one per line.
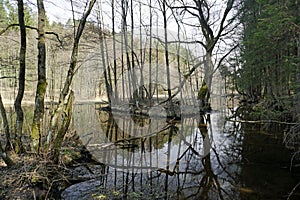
269, 68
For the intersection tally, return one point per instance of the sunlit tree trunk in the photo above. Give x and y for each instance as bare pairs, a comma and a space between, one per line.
42, 83
18, 107
114, 50
104, 60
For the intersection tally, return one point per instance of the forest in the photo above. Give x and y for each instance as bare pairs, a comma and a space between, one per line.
155, 99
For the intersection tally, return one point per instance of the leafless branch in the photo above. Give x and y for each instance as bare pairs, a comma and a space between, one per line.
32, 28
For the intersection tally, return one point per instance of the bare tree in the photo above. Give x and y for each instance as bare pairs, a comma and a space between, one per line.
105, 61
213, 28
163, 6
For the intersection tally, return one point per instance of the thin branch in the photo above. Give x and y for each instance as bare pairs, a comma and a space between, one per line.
221, 60
4, 77
32, 28
291, 193
263, 122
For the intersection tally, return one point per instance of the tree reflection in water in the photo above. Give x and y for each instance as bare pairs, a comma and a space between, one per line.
194, 158
169, 159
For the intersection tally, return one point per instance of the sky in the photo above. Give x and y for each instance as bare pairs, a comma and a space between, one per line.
61, 11
58, 10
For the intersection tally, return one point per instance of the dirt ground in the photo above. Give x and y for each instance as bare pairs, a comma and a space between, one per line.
15, 180
35, 177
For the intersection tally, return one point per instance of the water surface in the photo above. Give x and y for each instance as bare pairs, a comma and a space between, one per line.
170, 159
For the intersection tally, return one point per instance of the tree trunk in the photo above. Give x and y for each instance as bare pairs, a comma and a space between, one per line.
42, 83
18, 107
71, 72
150, 53
114, 52
208, 77
66, 119
104, 62
132, 67
8, 145
171, 109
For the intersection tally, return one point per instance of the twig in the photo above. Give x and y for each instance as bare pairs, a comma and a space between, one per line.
293, 190
33, 28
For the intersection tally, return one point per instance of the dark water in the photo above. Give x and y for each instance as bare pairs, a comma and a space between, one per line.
155, 158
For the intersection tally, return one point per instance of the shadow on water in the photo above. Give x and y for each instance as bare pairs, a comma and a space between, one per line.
198, 157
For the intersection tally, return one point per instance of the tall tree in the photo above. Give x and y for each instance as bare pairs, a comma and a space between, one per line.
42, 83
270, 53
18, 102
164, 12
214, 28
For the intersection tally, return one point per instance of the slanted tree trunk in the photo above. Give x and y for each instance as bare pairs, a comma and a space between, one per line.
66, 119
18, 107
42, 83
71, 72
3, 154
5, 157
8, 145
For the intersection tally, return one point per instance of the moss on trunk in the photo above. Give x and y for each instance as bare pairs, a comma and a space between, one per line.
67, 115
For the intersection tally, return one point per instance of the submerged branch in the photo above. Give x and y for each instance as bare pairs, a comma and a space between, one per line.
264, 122
145, 136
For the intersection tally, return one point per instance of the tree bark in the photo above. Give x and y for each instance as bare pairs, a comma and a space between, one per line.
116, 95
172, 112
42, 83
8, 145
67, 115
202, 11
18, 107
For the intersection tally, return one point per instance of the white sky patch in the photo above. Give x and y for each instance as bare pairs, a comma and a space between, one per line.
61, 11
